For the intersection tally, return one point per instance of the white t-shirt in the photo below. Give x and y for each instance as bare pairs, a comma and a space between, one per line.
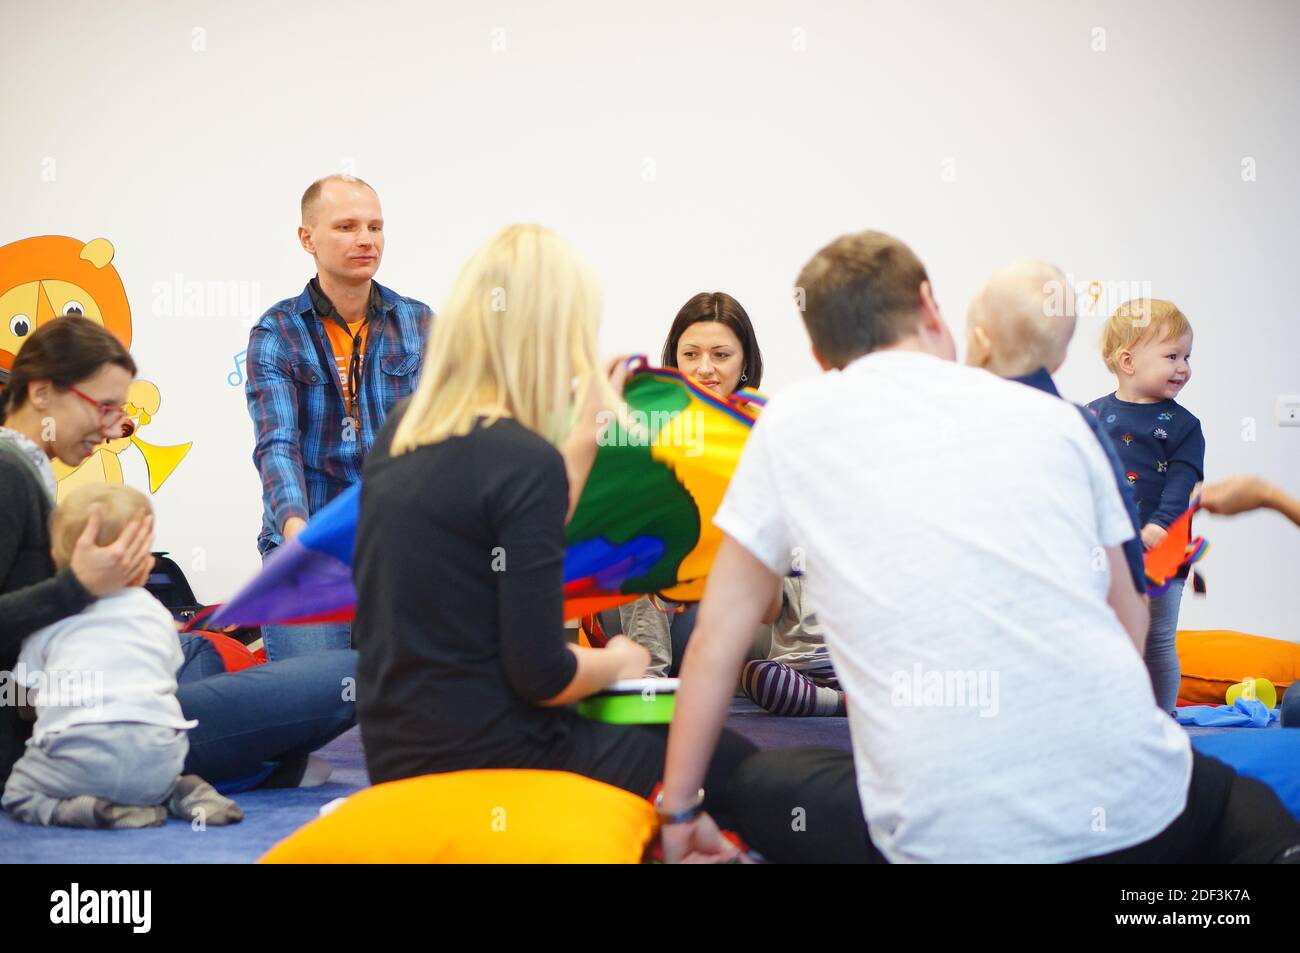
952, 527
115, 661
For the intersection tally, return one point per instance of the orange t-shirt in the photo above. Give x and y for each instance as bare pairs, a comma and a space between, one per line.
341, 342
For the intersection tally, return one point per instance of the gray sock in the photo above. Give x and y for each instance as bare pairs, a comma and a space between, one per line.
95, 813
195, 798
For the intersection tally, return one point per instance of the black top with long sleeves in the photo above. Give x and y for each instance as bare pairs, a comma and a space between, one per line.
459, 567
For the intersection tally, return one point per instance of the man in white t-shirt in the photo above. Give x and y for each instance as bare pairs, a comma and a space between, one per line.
960, 536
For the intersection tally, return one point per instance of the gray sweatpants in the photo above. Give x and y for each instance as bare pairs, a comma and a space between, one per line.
651, 627
122, 762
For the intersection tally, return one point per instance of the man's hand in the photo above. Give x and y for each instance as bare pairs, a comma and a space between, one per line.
292, 527
1152, 535
125, 562
698, 842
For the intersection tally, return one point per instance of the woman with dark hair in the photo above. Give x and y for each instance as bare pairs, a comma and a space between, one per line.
64, 397
713, 342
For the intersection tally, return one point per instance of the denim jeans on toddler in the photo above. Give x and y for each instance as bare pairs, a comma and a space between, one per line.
1162, 651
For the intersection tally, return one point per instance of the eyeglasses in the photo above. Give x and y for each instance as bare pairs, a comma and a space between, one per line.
109, 413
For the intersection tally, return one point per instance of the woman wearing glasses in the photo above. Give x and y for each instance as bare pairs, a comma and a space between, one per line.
64, 397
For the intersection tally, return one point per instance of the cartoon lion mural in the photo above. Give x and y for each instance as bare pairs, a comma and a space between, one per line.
47, 277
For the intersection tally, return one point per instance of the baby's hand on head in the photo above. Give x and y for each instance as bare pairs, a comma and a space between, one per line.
1152, 535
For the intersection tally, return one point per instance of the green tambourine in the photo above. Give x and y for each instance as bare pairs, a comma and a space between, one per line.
633, 701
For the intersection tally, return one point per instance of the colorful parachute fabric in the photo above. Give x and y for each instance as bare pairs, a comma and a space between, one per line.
642, 525
308, 578
1178, 550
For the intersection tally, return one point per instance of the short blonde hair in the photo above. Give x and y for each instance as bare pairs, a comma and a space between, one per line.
117, 504
518, 330
311, 198
1139, 320
1027, 312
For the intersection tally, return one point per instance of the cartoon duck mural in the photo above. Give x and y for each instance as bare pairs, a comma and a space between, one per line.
51, 276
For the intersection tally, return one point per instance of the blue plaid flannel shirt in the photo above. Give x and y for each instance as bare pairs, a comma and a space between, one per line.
306, 451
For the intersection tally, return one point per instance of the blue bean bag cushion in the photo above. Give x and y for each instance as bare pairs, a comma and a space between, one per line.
1271, 756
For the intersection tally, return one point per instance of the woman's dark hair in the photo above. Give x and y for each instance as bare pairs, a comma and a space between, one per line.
723, 308
65, 351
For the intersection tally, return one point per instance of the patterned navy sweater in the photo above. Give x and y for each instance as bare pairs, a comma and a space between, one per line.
1163, 452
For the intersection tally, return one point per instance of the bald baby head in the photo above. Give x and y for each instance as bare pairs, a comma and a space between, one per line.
1021, 320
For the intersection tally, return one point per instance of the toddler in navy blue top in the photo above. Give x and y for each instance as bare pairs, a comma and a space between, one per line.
1147, 345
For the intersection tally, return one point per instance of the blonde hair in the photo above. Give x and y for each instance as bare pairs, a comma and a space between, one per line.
117, 504
1027, 311
1138, 320
519, 328
311, 198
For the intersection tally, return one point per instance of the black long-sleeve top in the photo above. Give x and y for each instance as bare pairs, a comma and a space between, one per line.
459, 572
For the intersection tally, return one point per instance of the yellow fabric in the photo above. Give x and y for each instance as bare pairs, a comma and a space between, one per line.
341, 342
1213, 661
706, 477
490, 816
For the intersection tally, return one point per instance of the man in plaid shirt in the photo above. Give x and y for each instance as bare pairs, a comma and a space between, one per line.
324, 369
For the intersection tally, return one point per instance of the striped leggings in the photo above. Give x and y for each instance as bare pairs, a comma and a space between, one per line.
783, 690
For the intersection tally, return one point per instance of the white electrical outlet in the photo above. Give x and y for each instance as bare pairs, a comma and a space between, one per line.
1288, 410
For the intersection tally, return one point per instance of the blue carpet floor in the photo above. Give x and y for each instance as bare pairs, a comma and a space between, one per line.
269, 816
272, 815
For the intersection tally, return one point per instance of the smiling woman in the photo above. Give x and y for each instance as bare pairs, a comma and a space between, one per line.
63, 398
74, 419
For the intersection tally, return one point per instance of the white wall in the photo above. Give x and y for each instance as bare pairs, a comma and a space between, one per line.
769, 127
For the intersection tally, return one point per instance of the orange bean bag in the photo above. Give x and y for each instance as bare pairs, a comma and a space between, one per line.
1214, 660
498, 816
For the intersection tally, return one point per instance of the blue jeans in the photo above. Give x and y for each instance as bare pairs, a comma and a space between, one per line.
1162, 651
273, 714
287, 641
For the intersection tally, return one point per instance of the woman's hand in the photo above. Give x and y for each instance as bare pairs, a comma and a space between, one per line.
633, 660
1234, 495
121, 564
697, 842
593, 419
595, 412
600, 668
